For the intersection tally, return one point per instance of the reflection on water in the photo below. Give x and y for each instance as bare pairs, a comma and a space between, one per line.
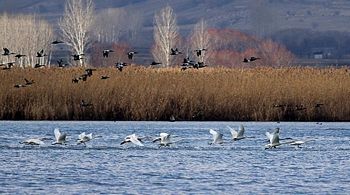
190, 165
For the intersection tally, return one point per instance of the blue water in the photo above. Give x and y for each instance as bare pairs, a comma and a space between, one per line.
190, 166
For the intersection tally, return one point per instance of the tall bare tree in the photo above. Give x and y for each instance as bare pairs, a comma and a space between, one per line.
110, 25
76, 24
25, 35
200, 39
165, 35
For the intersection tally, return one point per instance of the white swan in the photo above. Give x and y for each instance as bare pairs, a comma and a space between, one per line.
33, 141
132, 138
59, 137
217, 137
83, 138
237, 135
269, 135
298, 143
274, 141
164, 139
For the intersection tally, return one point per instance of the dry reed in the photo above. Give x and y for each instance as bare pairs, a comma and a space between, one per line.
257, 94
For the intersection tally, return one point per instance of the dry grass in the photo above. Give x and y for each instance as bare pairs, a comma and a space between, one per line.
156, 94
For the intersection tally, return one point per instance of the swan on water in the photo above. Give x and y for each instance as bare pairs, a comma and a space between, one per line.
60, 138
164, 139
237, 135
274, 141
133, 139
33, 141
217, 137
83, 138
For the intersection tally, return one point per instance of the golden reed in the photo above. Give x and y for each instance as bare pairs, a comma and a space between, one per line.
136, 93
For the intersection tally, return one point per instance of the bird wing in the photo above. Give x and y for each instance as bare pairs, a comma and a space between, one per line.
57, 134
275, 139
241, 131
82, 135
134, 140
217, 137
89, 136
233, 132
269, 136
6, 51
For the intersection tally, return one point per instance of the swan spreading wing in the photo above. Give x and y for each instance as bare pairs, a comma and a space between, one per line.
217, 137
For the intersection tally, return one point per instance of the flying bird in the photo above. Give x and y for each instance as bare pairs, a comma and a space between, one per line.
131, 54
77, 57
155, 63
28, 82
40, 54
164, 139
104, 77
106, 52
237, 135
18, 56
251, 59
120, 65
33, 141
199, 51
217, 137
56, 42
60, 138
83, 138
175, 51
84, 104
133, 139
7, 52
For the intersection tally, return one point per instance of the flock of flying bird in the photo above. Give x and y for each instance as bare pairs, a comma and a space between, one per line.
165, 139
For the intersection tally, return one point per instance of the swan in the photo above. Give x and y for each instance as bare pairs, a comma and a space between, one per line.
237, 135
164, 139
83, 138
274, 141
33, 141
59, 137
298, 143
132, 138
217, 137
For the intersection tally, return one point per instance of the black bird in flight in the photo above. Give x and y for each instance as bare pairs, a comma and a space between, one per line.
56, 42
175, 52
7, 52
155, 63
106, 52
28, 82
251, 59
77, 57
40, 54
199, 51
104, 77
18, 56
120, 65
131, 54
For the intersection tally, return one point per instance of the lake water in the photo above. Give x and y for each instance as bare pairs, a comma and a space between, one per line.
189, 166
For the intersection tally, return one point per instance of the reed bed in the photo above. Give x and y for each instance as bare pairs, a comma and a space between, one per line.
227, 94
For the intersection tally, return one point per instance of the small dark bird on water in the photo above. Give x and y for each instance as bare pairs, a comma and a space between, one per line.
84, 104
56, 42
155, 63
7, 52
131, 54
106, 52
175, 52
251, 59
199, 51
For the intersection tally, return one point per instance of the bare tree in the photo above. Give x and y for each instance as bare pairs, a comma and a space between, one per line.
165, 35
110, 25
200, 39
76, 23
25, 35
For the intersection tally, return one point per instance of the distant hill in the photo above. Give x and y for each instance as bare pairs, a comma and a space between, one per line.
319, 15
